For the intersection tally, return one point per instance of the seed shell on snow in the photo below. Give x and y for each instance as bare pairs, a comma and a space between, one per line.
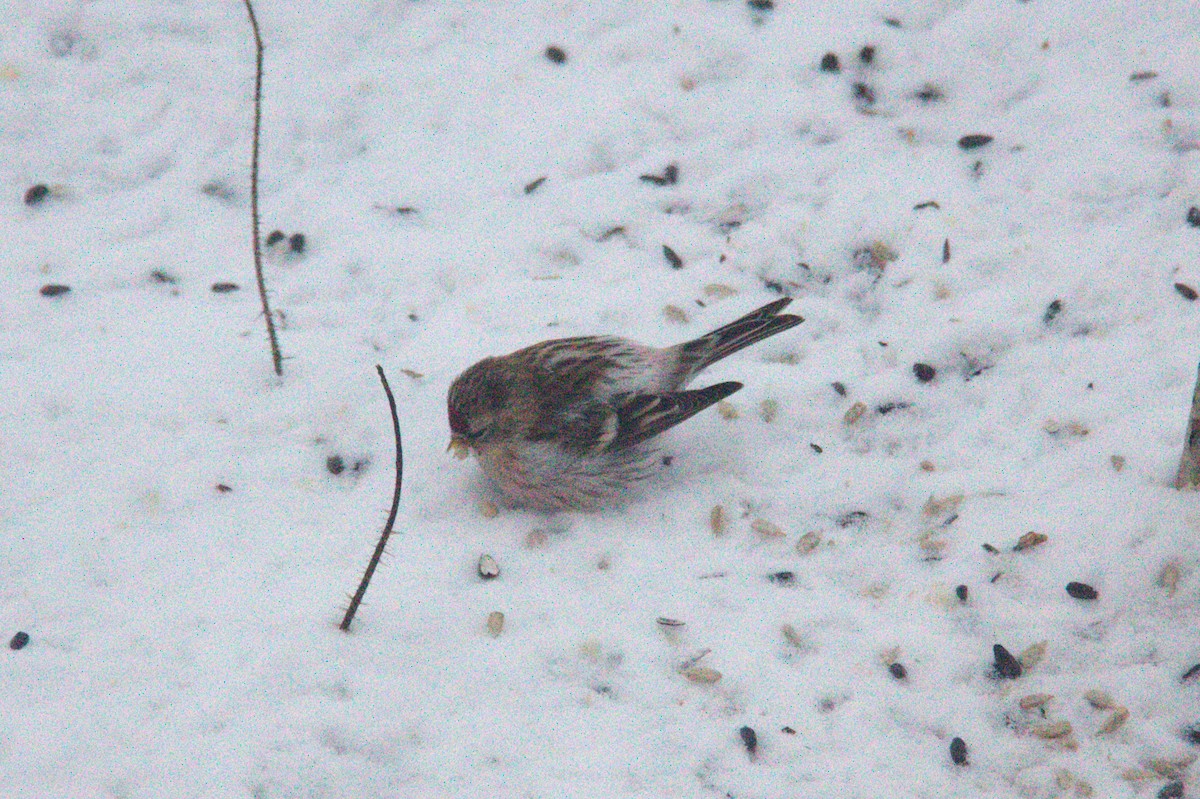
1168, 577
701, 675
663, 621
1101, 700
808, 542
489, 569
673, 258
495, 623
717, 520
673, 313
1050, 730
792, 636
1034, 701
854, 413
766, 529
768, 409
1114, 722
962, 592
727, 410
1186, 291
1033, 654
1030, 540
18, 641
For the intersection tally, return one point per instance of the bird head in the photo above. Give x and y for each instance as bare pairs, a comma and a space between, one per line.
474, 406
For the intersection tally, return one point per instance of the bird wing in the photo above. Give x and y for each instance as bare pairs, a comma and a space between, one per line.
640, 417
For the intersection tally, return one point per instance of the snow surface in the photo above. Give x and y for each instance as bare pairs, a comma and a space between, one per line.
184, 640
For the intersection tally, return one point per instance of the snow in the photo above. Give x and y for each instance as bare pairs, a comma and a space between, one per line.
184, 641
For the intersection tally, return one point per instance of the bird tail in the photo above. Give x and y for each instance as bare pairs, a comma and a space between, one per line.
700, 353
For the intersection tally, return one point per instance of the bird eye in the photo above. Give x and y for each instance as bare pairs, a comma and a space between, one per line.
479, 433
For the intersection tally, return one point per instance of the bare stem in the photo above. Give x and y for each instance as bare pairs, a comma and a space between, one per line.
276, 355
1189, 463
387, 528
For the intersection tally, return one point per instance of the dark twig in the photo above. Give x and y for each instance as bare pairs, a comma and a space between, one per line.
387, 528
1188, 475
276, 355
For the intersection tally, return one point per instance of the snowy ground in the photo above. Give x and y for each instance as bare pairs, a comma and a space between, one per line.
183, 639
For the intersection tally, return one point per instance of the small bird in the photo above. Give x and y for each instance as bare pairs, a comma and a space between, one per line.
564, 424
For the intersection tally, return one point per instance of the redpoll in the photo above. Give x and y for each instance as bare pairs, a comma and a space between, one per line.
565, 424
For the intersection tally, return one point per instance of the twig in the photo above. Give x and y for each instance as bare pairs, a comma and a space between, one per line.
387, 528
1189, 463
276, 355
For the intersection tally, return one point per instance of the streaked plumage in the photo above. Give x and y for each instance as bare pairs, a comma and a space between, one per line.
565, 423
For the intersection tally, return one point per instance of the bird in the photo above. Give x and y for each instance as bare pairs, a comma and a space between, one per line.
570, 423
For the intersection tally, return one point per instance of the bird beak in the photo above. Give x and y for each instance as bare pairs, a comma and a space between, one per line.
458, 445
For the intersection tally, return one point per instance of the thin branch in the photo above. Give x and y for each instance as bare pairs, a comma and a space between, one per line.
387, 528
1189, 463
276, 355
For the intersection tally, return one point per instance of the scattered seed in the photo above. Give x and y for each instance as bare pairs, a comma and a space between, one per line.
924, 372
556, 54
219, 191
672, 257
297, 243
663, 621
768, 409
995, 577
892, 22
749, 740
1081, 591
1172, 790
926, 204
792, 636
851, 518
727, 410
1114, 722
489, 569
888, 407
788, 730
829, 63
223, 489
719, 291
946, 251
816, 448
1144, 75
674, 313
1030, 540
839, 387
1186, 291
224, 288
864, 93
1052, 310
1101, 700
335, 464
1193, 215
36, 193
854, 413
783, 578
495, 623
1034, 701
1051, 730
929, 93
669, 177
1171, 768
617, 230
533, 185
1033, 654
958, 752
991, 550
1007, 667
974, 140
898, 671
808, 542
867, 54
717, 521
53, 290
274, 237
761, 5
766, 529
1169, 576
962, 592
701, 675
18, 641
159, 276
